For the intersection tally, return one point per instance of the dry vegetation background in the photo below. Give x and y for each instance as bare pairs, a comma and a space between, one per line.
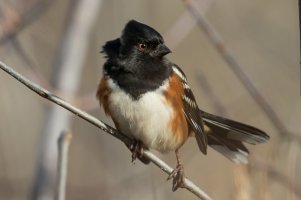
263, 37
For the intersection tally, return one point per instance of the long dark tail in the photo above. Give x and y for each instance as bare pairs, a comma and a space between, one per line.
227, 136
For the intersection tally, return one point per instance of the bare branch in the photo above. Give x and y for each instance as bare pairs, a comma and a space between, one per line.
63, 148
92, 120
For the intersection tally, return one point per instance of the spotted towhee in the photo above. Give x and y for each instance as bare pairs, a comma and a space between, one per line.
149, 100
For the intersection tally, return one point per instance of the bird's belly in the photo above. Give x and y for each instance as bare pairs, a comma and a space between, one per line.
147, 119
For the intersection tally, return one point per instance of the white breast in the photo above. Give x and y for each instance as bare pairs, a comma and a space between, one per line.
146, 119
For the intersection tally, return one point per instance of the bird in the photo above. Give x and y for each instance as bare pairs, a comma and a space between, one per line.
149, 100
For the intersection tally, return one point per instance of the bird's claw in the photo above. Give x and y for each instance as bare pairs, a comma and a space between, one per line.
137, 150
178, 177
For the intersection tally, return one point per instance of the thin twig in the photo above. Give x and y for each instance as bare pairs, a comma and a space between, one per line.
63, 148
92, 120
217, 41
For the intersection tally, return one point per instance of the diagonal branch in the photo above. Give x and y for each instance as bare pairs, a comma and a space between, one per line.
94, 121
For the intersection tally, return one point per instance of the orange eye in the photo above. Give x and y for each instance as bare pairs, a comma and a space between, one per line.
142, 46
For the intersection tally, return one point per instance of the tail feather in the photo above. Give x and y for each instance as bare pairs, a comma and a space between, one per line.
235, 130
226, 136
233, 150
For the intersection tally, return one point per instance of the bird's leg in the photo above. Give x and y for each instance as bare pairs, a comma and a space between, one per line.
137, 149
177, 174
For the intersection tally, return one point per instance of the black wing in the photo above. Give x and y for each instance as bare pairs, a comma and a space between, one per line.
192, 112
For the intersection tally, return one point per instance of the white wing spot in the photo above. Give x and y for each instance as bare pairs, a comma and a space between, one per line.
179, 73
196, 125
189, 101
186, 86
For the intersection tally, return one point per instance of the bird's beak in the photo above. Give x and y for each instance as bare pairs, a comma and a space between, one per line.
162, 50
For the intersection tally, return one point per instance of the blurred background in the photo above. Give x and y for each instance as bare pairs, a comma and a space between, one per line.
56, 44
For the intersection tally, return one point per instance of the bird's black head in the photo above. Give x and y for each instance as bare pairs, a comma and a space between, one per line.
135, 61
142, 40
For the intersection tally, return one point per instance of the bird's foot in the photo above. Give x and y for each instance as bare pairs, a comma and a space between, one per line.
178, 177
137, 149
